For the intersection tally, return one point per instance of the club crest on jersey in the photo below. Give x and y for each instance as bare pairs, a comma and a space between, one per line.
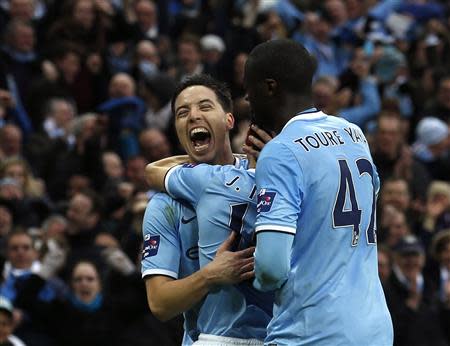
265, 201
151, 245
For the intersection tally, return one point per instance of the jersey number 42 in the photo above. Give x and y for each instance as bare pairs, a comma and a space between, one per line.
344, 217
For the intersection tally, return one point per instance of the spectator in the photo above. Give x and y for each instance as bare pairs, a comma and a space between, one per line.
331, 57
189, 58
21, 60
146, 26
432, 147
362, 103
440, 106
7, 324
157, 92
135, 172
52, 130
213, 49
81, 157
147, 61
154, 145
18, 169
396, 193
393, 157
237, 75
125, 112
384, 264
7, 218
10, 141
440, 250
22, 262
436, 216
411, 298
112, 165
394, 227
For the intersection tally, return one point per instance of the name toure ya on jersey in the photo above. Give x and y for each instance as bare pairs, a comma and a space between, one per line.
330, 138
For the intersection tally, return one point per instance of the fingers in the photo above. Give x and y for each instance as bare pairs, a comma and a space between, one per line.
256, 142
246, 252
247, 275
227, 244
248, 266
263, 135
250, 151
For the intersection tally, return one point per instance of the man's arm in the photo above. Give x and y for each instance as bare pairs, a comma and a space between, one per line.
168, 297
278, 179
272, 271
155, 172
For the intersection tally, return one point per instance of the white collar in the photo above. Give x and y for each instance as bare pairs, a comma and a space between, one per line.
306, 116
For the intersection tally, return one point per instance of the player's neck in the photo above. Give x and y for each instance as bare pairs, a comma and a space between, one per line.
226, 157
292, 105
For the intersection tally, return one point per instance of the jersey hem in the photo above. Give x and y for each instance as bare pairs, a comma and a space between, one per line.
166, 179
164, 272
275, 228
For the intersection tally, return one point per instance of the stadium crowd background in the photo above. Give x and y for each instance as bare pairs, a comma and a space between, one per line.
85, 90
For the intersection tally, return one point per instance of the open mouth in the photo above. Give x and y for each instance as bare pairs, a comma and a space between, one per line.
200, 138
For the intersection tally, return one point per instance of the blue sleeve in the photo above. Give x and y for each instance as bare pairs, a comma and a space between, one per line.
383, 9
162, 246
278, 179
370, 106
272, 271
187, 182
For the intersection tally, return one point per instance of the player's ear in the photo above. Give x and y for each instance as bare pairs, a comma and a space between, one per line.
229, 120
271, 86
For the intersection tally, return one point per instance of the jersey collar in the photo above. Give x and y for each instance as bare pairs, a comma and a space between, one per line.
308, 114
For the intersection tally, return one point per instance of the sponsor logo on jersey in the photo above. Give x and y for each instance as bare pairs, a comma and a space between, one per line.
151, 245
265, 201
188, 220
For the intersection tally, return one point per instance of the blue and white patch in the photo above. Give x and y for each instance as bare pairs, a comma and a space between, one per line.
151, 245
265, 201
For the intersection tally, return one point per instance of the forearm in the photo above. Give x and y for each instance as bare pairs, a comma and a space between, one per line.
272, 271
370, 106
156, 171
168, 298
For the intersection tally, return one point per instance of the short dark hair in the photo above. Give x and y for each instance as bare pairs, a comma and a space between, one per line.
220, 89
96, 200
284, 60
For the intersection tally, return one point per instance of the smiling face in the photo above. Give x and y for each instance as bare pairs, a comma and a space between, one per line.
202, 125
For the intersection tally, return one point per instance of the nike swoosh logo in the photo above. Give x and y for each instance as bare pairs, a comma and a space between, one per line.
185, 221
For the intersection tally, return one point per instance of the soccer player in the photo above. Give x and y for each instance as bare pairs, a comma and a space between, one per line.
224, 199
315, 228
170, 256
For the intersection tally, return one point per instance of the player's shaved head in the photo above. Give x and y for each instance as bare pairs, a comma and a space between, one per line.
285, 61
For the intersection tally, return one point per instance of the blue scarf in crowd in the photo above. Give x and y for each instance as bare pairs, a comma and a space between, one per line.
93, 306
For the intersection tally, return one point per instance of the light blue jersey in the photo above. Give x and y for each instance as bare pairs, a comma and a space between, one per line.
317, 182
224, 198
170, 247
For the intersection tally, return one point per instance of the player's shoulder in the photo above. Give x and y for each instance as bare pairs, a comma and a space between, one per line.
161, 199
341, 122
199, 169
163, 207
278, 147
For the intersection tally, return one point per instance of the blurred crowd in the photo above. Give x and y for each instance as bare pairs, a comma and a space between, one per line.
85, 89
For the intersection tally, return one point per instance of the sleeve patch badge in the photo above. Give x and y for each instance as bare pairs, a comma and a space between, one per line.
265, 201
151, 246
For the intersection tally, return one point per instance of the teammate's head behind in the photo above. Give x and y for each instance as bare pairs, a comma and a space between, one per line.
278, 76
203, 118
